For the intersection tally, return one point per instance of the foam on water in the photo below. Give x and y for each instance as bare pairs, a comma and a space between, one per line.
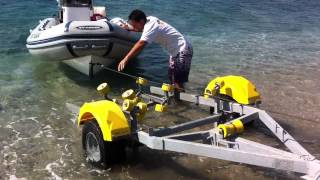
53, 174
13, 177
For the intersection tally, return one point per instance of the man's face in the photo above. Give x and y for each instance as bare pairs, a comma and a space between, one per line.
137, 25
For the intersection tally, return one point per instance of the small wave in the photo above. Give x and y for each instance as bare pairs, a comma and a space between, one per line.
21, 39
53, 174
10, 158
14, 177
11, 51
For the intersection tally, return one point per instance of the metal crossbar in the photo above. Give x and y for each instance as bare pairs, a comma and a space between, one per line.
185, 126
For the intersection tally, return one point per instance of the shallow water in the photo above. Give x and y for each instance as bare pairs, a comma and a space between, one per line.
275, 44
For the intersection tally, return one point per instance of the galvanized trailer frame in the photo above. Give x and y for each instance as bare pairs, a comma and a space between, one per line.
211, 143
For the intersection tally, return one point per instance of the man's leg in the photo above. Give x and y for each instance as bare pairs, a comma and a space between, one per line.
179, 68
175, 74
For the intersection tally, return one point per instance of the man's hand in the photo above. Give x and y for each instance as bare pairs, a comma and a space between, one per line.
122, 64
125, 26
132, 53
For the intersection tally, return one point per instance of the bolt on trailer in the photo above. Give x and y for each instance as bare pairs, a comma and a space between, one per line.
110, 126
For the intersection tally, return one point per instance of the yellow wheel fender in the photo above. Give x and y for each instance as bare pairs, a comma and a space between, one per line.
236, 87
108, 115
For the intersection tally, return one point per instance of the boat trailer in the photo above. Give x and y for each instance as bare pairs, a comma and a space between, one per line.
110, 126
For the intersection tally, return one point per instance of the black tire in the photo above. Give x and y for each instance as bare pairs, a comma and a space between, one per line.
99, 152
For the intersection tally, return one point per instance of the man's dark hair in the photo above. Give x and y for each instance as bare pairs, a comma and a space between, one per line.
137, 15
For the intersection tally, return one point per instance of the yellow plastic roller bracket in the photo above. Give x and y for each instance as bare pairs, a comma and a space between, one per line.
160, 108
128, 94
142, 81
236, 87
226, 130
103, 89
128, 104
142, 110
167, 87
236, 127
211, 89
142, 107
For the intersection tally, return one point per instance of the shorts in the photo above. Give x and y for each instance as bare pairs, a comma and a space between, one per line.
179, 66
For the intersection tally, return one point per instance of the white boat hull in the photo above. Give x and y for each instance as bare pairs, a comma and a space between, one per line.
88, 65
58, 42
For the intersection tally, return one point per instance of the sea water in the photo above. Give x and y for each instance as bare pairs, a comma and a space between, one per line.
274, 43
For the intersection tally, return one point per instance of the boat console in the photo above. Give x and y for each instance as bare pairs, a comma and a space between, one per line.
80, 10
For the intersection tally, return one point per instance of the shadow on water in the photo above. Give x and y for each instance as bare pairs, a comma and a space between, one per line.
155, 161
114, 79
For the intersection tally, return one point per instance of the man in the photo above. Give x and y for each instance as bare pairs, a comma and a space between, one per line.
156, 30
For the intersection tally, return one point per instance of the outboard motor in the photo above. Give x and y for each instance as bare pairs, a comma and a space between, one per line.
76, 10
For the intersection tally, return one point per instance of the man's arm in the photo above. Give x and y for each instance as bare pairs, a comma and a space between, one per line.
128, 28
137, 48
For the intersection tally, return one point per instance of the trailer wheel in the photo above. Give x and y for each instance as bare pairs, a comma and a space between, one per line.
99, 152
93, 143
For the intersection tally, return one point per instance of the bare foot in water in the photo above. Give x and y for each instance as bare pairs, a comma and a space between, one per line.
179, 87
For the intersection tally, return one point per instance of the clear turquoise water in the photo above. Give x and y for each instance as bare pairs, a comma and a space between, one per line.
273, 43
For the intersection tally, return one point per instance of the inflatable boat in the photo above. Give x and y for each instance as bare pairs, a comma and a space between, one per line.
81, 30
